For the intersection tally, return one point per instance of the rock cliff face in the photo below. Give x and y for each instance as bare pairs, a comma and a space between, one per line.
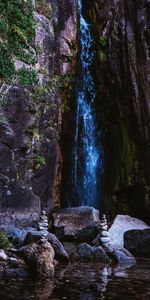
122, 36
37, 63
32, 106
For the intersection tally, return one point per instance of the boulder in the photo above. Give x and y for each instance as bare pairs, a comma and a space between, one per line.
123, 257
35, 236
121, 224
68, 221
94, 254
138, 242
39, 257
16, 234
60, 252
88, 233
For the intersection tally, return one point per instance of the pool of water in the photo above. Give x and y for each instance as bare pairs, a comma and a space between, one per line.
84, 282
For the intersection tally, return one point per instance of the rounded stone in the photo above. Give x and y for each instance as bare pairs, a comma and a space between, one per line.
104, 228
104, 240
104, 233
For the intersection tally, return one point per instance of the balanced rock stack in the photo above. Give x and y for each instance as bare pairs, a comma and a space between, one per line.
104, 235
43, 223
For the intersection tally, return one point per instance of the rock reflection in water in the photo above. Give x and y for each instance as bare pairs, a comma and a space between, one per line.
84, 282
26, 289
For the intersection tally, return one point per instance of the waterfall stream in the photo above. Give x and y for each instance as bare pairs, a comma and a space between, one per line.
86, 156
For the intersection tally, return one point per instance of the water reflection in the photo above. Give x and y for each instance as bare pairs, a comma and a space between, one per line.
84, 282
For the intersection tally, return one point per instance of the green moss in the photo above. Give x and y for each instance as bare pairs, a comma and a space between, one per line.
17, 30
39, 161
4, 242
27, 76
7, 68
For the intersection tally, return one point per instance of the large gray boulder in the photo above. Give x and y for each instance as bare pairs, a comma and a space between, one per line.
121, 224
138, 242
68, 221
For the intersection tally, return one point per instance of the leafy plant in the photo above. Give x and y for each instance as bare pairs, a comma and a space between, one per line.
17, 30
39, 161
27, 76
4, 242
3, 119
7, 68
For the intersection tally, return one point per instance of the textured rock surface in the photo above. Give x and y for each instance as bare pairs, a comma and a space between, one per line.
123, 257
39, 258
95, 254
138, 242
31, 119
120, 226
36, 236
70, 220
123, 102
88, 233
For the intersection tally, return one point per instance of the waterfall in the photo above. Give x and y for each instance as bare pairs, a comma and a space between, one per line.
86, 156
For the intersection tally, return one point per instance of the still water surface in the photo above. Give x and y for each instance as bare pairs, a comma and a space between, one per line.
84, 282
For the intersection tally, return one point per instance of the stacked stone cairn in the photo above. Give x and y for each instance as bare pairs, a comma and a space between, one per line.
104, 235
43, 222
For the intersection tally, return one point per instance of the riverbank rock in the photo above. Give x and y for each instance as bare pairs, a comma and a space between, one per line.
68, 221
60, 252
39, 258
88, 233
138, 242
95, 254
123, 257
16, 234
36, 236
121, 224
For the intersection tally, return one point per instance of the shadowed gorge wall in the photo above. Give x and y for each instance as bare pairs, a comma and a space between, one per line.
121, 29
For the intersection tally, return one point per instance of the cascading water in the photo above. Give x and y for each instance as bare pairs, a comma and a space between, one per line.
86, 156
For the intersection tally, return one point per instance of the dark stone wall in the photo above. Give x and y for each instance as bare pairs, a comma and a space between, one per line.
122, 36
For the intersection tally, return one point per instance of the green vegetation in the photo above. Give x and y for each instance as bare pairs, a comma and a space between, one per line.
3, 119
7, 68
17, 30
39, 161
4, 242
27, 76
101, 49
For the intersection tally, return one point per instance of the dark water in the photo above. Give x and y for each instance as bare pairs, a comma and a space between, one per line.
84, 282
